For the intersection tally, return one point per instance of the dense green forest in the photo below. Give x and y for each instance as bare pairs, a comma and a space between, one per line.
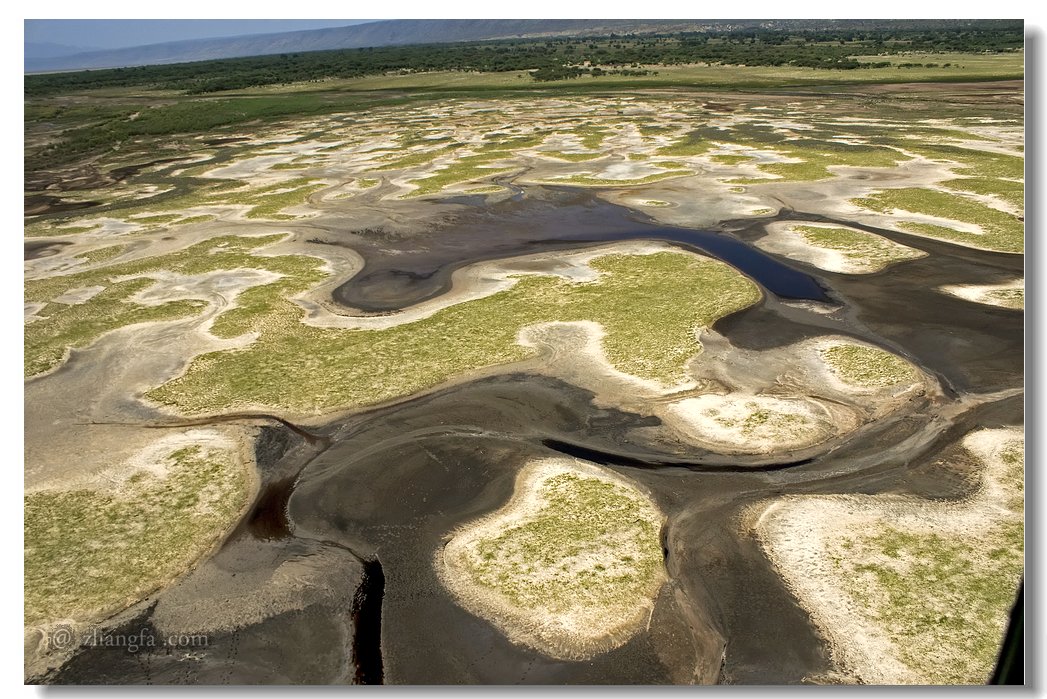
551, 59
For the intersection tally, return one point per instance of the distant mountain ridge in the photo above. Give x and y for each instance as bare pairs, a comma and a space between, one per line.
383, 33
45, 49
399, 32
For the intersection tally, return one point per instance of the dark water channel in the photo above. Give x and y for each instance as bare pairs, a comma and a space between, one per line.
405, 269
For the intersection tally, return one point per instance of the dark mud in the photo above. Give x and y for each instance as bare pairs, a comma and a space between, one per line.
971, 347
392, 483
402, 270
50, 204
44, 248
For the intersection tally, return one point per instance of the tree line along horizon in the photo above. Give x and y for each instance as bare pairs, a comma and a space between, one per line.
552, 59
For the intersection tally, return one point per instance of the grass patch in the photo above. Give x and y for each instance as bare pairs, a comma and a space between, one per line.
289, 166
156, 218
866, 249
594, 543
311, 370
572, 157
91, 552
725, 159
267, 202
1008, 191
202, 218
102, 254
47, 229
869, 367
419, 158
591, 136
943, 595
818, 156
971, 162
591, 181
691, 144
464, 169
1003, 232
1008, 298
935, 593
763, 423
64, 326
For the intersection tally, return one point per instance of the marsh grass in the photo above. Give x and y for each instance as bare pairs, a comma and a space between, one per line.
728, 159
869, 367
415, 159
861, 247
89, 552
649, 333
594, 544
690, 145
590, 181
1003, 232
1008, 191
942, 599
572, 157
64, 326
1009, 298
465, 169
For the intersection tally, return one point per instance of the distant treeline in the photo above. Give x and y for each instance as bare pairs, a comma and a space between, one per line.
548, 59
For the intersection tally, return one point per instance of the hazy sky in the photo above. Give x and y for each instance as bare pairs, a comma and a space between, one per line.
117, 33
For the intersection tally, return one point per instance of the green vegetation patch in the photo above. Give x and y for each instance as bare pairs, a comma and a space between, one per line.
269, 201
691, 144
45, 229
465, 169
194, 219
1006, 190
64, 326
307, 369
591, 136
156, 218
289, 166
573, 157
1008, 298
728, 159
415, 159
818, 156
593, 544
762, 422
937, 592
943, 597
858, 246
972, 162
1003, 232
868, 366
590, 181
91, 552
102, 254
